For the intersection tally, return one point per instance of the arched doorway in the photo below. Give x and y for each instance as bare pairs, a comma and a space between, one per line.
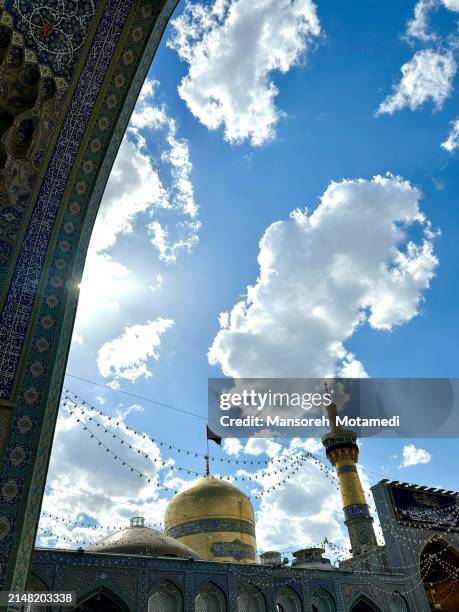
288, 601
102, 601
166, 597
363, 604
210, 598
34, 583
322, 601
439, 567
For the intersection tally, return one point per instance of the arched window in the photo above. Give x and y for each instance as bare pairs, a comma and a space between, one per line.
288, 601
210, 599
250, 599
322, 601
398, 603
166, 597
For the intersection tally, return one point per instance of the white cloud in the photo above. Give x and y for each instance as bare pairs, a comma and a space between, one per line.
452, 5
150, 178
232, 446
452, 142
266, 446
254, 446
311, 445
262, 446
233, 47
108, 495
414, 456
128, 355
168, 249
170, 239
418, 27
144, 180
77, 338
325, 273
428, 76
132, 188
105, 281
157, 284
307, 502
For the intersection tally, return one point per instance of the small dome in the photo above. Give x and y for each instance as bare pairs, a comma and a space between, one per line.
140, 540
216, 519
311, 558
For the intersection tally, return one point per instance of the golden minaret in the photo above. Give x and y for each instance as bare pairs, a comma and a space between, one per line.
343, 453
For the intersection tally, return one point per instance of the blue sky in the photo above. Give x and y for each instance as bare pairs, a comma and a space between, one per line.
216, 177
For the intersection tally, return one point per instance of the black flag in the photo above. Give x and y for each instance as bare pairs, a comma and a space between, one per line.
213, 436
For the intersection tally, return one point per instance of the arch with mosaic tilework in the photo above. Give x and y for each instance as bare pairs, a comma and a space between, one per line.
102, 599
288, 600
165, 597
210, 598
362, 603
250, 599
85, 92
398, 603
322, 601
440, 560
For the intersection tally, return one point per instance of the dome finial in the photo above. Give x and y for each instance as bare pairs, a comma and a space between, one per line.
206, 457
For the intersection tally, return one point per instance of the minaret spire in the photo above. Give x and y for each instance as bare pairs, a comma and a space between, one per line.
343, 453
331, 411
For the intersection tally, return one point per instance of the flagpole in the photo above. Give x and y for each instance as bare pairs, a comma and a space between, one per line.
210, 435
207, 457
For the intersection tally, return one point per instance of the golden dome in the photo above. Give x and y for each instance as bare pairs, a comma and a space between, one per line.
215, 519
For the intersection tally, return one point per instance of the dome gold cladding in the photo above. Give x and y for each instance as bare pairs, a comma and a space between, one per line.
214, 518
